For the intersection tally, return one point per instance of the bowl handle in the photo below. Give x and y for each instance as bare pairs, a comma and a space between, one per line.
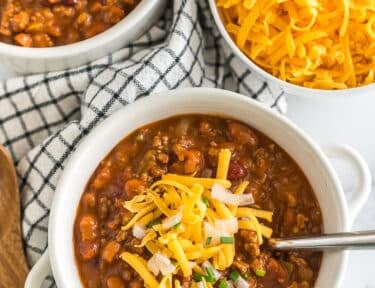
39, 272
361, 193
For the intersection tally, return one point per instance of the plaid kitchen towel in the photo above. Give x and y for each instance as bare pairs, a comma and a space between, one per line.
43, 117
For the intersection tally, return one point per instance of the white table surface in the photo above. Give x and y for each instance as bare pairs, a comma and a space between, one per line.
346, 121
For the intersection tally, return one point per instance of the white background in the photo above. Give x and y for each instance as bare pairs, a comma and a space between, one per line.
344, 120
349, 120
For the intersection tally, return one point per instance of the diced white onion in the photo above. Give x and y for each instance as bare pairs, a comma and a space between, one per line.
165, 264
191, 264
138, 231
230, 284
169, 222
210, 231
200, 285
241, 283
218, 192
229, 226
207, 264
160, 263
153, 265
221, 228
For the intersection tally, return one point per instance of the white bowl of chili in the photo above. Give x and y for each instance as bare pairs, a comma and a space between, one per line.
337, 213
365, 89
37, 60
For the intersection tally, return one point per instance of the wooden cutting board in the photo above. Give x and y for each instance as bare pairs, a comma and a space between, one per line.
13, 267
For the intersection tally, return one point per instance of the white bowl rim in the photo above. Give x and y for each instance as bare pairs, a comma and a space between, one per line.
111, 34
75, 160
285, 86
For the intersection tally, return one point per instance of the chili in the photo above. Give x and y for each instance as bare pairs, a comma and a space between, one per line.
190, 144
47, 23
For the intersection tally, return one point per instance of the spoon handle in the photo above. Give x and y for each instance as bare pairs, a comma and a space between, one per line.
350, 240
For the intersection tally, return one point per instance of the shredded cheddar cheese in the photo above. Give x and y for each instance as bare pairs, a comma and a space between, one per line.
188, 242
140, 265
313, 43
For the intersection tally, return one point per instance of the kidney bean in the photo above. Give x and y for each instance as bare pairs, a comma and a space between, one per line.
69, 2
236, 171
46, 3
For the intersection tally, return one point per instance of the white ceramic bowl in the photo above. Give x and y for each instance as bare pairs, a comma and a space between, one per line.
303, 150
287, 87
35, 60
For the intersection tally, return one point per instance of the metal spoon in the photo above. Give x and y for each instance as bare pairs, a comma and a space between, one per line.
350, 240
13, 267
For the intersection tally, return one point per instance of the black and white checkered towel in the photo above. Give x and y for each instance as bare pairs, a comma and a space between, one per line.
43, 117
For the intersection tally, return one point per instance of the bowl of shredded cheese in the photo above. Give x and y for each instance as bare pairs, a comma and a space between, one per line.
308, 47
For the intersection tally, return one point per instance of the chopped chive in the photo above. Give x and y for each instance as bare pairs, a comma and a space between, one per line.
206, 201
223, 284
234, 275
153, 222
211, 275
260, 272
198, 277
226, 240
247, 275
176, 225
204, 282
208, 240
